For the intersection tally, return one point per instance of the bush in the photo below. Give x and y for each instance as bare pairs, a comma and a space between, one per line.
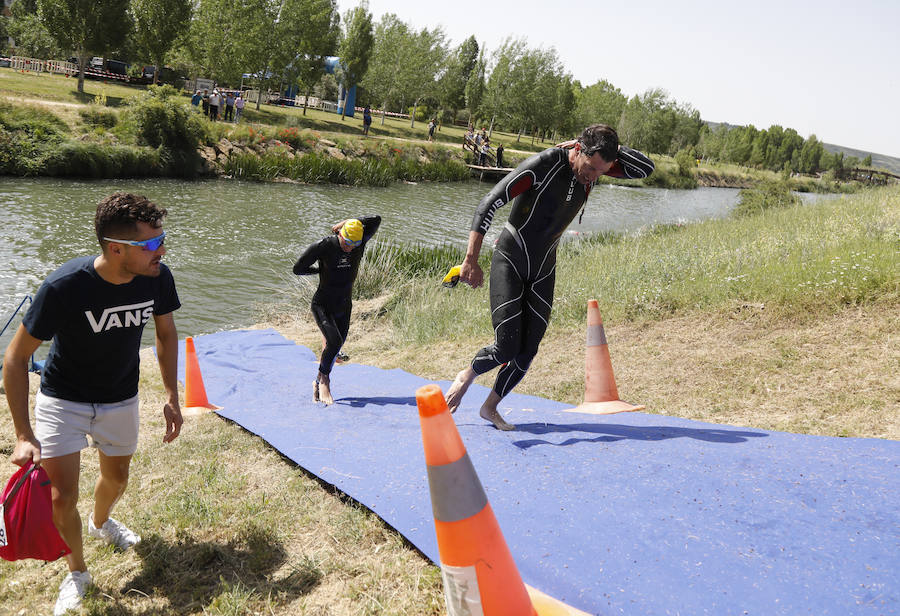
771, 194
298, 139
98, 116
160, 120
685, 162
26, 135
91, 160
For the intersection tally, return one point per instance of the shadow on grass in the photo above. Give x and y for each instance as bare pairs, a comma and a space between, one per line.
87, 98
191, 574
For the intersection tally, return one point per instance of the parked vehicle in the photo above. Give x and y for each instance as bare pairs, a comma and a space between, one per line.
117, 66
166, 75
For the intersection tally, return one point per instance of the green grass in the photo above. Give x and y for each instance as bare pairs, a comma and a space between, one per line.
48, 87
796, 260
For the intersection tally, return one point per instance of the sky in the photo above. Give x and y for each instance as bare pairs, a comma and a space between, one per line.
826, 68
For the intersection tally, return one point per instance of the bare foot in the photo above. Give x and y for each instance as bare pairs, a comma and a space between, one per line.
325, 390
458, 388
493, 416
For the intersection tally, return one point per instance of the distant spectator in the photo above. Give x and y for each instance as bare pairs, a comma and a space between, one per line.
239, 108
214, 101
485, 150
197, 98
367, 120
229, 107
206, 102
499, 154
431, 126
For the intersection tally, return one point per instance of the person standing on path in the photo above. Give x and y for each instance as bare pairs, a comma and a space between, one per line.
94, 310
547, 190
336, 260
229, 106
238, 108
367, 120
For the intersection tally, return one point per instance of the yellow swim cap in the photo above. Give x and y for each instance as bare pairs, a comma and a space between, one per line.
352, 231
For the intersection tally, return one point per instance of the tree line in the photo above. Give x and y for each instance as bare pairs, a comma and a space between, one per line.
396, 68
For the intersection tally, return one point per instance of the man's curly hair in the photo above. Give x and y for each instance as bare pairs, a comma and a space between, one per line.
119, 213
600, 139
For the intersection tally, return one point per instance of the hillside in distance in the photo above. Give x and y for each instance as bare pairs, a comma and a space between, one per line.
879, 161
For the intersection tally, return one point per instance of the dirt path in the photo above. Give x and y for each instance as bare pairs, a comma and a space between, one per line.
38, 101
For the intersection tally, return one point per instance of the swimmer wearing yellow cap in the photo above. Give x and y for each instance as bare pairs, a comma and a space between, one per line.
336, 260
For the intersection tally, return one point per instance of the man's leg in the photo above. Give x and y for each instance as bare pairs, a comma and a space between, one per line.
507, 292
110, 485
534, 322
64, 473
331, 324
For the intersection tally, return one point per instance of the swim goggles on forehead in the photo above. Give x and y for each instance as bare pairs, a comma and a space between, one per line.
352, 243
152, 244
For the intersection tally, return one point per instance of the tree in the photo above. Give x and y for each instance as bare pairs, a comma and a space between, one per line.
424, 54
382, 77
223, 40
455, 77
601, 103
157, 24
319, 41
31, 37
501, 92
648, 121
355, 48
475, 87
86, 26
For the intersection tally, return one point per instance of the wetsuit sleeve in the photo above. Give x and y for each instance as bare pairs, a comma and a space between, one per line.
305, 265
514, 184
370, 226
631, 164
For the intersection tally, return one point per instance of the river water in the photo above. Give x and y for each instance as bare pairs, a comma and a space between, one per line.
231, 244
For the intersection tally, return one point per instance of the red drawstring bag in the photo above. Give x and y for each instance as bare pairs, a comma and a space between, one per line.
26, 518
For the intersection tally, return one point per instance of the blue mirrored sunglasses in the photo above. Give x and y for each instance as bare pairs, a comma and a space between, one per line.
152, 244
352, 243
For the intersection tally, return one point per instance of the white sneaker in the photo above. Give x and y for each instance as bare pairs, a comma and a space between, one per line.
114, 533
71, 591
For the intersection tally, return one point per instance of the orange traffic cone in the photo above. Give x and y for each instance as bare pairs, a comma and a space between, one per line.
479, 574
195, 400
600, 394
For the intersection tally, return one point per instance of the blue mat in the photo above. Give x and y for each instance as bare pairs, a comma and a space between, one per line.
623, 514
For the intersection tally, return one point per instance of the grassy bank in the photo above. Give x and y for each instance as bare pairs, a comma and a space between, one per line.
95, 140
792, 311
786, 320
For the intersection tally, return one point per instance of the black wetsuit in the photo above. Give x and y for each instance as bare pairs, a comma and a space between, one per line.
331, 304
547, 197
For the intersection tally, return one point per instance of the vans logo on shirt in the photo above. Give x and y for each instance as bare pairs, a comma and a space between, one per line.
132, 315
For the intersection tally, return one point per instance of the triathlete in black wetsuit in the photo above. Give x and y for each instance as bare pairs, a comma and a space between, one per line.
338, 258
548, 189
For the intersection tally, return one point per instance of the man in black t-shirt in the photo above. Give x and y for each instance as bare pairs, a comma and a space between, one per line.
338, 257
94, 310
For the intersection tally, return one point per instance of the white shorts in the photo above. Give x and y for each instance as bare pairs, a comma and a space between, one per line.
62, 426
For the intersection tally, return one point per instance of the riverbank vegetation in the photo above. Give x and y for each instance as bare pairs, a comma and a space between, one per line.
779, 318
95, 134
